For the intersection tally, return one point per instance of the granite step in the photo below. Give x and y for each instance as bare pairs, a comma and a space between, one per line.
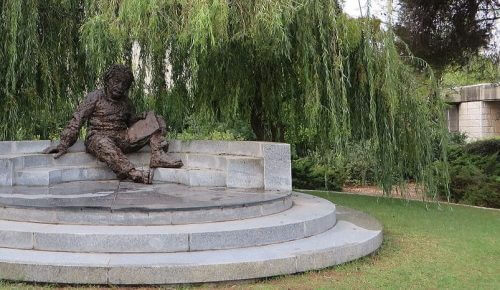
47, 176
346, 241
307, 217
198, 170
208, 161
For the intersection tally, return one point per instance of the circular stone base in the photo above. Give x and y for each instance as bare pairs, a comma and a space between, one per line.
126, 203
354, 235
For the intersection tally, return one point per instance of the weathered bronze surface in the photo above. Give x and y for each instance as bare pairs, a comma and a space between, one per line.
114, 129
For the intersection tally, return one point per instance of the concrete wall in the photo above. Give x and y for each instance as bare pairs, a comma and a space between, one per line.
475, 111
470, 119
477, 119
491, 119
452, 117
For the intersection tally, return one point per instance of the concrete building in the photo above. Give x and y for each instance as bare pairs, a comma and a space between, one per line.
475, 110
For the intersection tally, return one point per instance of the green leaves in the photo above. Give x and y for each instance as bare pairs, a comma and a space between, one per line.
292, 71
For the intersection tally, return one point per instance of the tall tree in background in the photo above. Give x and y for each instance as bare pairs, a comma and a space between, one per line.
298, 71
446, 32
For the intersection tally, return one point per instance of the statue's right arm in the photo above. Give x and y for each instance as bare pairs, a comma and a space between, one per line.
70, 133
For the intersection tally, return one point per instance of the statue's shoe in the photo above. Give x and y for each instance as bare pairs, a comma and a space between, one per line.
141, 176
164, 161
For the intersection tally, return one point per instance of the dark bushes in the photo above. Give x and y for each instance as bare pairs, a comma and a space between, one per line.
475, 173
356, 168
307, 173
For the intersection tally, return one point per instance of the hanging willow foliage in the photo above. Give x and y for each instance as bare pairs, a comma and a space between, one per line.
298, 71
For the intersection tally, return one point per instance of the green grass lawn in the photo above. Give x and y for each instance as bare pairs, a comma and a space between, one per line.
425, 246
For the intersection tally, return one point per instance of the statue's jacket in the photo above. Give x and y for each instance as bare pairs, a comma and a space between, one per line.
103, 115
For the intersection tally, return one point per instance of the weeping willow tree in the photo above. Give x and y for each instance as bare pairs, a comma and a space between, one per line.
298, 71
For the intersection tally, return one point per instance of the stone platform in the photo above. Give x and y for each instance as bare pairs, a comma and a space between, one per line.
114, 202
240, 221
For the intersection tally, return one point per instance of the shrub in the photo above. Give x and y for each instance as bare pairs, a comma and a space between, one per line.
475, 173
309, 173
360, 164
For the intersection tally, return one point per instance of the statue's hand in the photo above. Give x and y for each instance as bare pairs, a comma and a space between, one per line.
55, 149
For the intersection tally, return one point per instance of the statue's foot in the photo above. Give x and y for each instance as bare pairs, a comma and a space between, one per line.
141, 176
165, 161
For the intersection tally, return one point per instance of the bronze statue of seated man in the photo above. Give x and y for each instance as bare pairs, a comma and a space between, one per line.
114, 129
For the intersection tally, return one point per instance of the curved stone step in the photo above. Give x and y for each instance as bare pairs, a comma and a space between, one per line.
308, 216
125, 203
344, 242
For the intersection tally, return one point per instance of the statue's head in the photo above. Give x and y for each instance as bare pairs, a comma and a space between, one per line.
117, 81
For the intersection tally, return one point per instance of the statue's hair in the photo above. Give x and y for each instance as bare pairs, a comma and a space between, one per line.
120, 71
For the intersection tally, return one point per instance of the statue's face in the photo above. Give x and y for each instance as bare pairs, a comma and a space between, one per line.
117, 88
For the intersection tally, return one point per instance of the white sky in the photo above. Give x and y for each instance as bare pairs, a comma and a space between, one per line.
378, 8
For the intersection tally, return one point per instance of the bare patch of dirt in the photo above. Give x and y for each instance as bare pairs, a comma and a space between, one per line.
410, 191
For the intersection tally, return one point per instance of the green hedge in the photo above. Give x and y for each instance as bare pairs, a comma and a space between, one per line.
475, 173
308, 173
357, 167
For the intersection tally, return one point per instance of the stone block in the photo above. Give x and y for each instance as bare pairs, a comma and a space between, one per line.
75, 158
32, 178
30, 146
171, 175
207, 161
5, 147
197, 216
16, 240
243, 172
37, 160
277, 166
491, 92
475, 113
316, 226
27, 214
488, 129
71, 174
470, 123
6, 172
474, 105
127, 241
53, 267
175, 146
277, 206
196, 272
245, 148
205, 146
206, 177
97, 173
246, 237
55, 176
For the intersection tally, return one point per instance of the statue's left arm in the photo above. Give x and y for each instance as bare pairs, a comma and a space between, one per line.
133, 116
70, 134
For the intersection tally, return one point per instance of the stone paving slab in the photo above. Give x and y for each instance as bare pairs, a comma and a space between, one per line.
309, 216
344, 242
127, 203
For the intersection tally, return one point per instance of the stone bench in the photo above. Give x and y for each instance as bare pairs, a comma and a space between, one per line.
233, 164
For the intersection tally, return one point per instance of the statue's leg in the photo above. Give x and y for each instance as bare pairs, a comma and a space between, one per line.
159, 148
106, 150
